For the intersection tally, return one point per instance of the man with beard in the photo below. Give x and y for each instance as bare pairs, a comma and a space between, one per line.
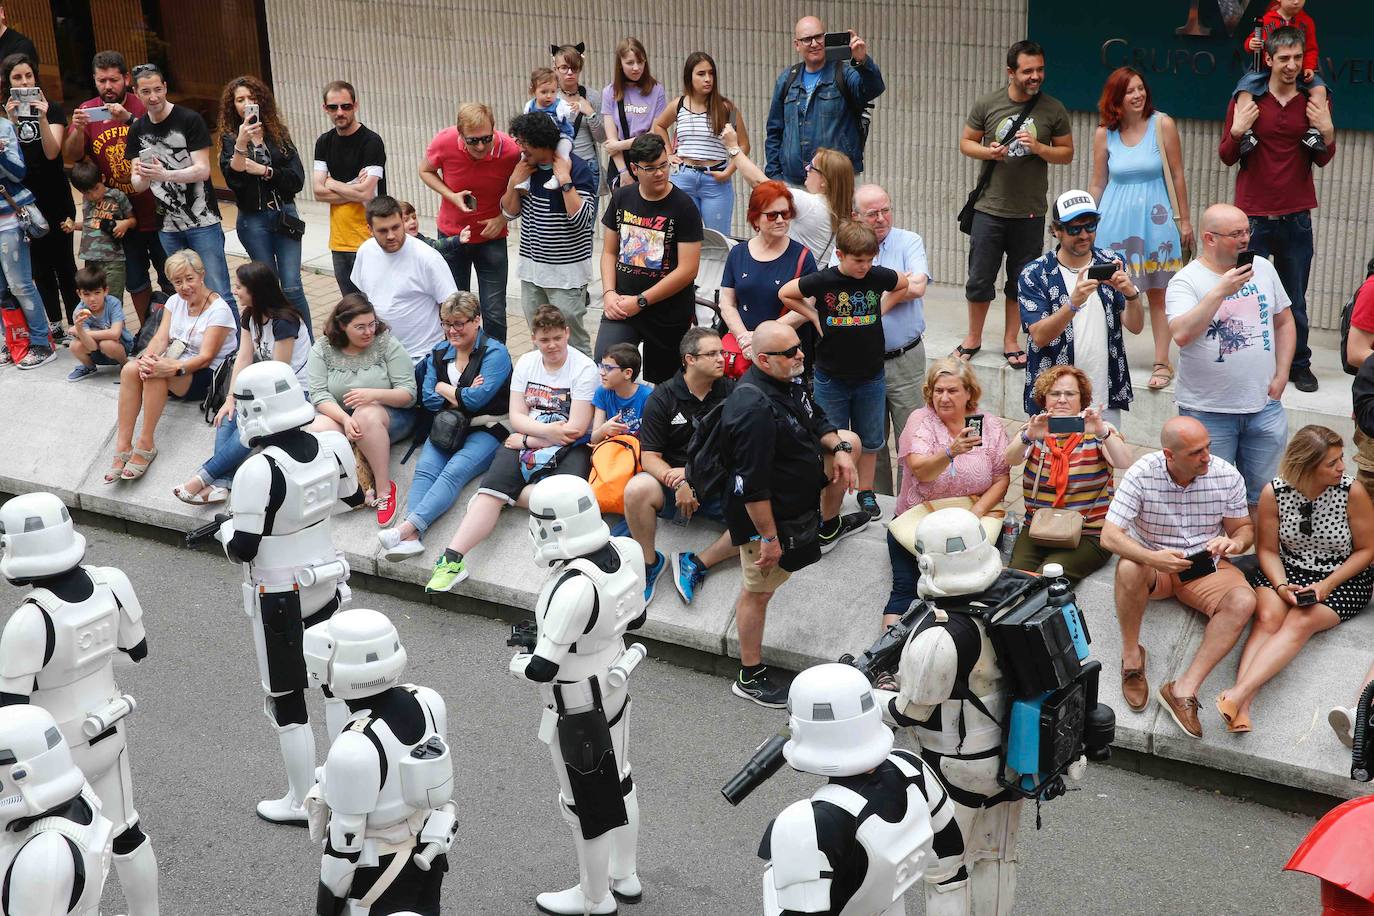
102, 140
403, 278
350, 163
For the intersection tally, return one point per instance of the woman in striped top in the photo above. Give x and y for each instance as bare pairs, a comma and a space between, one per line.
1074, 471
697, 118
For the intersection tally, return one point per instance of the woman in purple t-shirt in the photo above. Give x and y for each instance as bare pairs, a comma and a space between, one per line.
629, 106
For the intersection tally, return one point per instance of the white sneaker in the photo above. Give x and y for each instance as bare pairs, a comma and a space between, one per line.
571, 902
1342, 721
284, 810
395, 549
553, 184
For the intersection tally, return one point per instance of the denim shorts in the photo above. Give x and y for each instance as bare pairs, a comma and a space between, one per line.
399, 422
857, 405
1253, 442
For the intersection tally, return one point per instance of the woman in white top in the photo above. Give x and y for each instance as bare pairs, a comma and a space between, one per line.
271, 328
821, 206
195, 336
702, 167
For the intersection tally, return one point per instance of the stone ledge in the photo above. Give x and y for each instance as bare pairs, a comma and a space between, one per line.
62, 438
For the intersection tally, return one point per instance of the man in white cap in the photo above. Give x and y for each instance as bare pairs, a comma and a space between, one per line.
1074, 301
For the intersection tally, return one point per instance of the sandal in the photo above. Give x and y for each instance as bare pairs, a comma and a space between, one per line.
1236, 721
116, 471
203, 497
135, 471
1013, 355
1162, 375
966, 354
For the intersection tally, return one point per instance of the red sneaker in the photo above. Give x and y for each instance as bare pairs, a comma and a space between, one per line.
386, 507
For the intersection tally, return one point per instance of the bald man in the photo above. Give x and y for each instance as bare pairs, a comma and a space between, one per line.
904, 324
1236, 335
1176, 517
802, 119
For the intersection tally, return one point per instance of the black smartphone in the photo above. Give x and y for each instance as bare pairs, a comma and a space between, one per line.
1101, 271
1066, 425
1245, 258
837, 46
470, 199
1203, 564
975, 422
1306, 597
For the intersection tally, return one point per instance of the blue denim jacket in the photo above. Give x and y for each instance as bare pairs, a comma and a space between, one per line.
796, 130
12, 169
495, 374
1040, 290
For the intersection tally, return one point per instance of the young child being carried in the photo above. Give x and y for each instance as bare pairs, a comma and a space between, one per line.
411, 220
544, 98
1283, 14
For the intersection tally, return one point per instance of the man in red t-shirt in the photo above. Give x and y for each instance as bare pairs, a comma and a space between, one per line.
1358, 347
102, 141
468, 166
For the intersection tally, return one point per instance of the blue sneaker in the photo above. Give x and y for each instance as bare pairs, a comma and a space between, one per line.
688, 574
81, 371
651, 576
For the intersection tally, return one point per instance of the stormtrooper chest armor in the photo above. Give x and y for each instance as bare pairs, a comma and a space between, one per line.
619, 600
79, 675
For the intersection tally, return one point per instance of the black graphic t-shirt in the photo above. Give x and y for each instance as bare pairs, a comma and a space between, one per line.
650, 231
45, 177
851, 344
171, 142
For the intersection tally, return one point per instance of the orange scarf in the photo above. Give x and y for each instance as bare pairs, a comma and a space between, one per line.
1060, 456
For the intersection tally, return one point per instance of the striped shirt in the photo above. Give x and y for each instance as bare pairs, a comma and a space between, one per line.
1089, 491
695, 139
555, 251
1161, 515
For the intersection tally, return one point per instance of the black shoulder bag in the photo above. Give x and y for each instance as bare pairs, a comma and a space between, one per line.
450, 428
985, 177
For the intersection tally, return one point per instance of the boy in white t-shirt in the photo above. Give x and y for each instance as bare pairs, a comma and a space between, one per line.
1236, 338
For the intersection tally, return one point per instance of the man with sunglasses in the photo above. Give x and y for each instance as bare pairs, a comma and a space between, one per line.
350, 170
469, 166
1073, 318
790, 469
1236, 335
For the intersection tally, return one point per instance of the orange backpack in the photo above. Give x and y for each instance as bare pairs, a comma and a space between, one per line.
614, 462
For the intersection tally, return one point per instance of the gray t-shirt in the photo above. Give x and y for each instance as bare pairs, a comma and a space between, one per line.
1020, 182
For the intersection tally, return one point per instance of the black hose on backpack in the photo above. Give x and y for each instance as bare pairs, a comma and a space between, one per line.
1360, 753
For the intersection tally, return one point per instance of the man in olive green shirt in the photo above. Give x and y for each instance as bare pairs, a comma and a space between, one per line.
1009, 218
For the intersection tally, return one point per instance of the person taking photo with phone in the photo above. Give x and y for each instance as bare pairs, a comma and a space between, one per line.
1074, 302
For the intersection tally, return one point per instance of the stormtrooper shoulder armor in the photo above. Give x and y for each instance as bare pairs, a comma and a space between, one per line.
42, 877
929, 667
353, 773
25, 642
251, 494
434, 705
799, 869
570, 605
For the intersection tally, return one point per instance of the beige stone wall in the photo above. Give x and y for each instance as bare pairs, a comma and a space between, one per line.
413, 61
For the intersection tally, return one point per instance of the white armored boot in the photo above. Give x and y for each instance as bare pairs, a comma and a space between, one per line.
298, 753
138, 879
593, 865
624, 840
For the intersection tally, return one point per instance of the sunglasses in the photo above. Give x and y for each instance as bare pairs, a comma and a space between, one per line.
789, 353
1305, 526
479, 141
1079, 230
338, 106
142, 69
774, 215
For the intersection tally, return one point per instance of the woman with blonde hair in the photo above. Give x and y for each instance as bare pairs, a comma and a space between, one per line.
1315, 544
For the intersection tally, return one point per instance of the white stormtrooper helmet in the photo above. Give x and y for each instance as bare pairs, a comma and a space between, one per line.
36, 769
38, 538
565, 520
954, 555
837, 726
356, 653
269, 399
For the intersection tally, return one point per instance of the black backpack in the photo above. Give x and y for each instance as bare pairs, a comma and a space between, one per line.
708, 469
862, 114
1346, 312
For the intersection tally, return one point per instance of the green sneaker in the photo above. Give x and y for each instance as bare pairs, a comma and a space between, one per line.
447, 574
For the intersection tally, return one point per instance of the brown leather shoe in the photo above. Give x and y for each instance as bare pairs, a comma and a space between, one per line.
1134, 687
1183, 709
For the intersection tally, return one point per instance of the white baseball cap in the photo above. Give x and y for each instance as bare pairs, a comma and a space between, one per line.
1071, 205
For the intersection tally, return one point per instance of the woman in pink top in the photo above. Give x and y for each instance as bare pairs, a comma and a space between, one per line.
943, 456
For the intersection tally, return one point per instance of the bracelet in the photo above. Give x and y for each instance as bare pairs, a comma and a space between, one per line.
1025, 438
526, 440
767, 540
240, 152
1133, 298
949, 453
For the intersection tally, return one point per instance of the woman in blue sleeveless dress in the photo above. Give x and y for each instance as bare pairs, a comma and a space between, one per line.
1137, 223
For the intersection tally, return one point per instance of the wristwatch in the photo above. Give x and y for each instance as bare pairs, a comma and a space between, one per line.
181, 369
732, 151
566, 186
844, 446
643, 302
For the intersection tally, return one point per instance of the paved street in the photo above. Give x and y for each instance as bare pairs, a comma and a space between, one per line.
203, 755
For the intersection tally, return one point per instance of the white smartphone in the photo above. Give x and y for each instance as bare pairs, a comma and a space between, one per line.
97, 113
250, 112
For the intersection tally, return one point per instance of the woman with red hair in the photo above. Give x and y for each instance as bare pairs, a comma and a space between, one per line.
1136, 151
756, 270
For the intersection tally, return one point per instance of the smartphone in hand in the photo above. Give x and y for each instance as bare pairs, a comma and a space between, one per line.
1245, 259
1060, 426
1203, 564
1101, 272
250, 112
836, 46
1306, 596
975, 422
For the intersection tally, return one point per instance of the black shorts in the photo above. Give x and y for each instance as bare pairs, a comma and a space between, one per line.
660, 335
1018, 240
505, 479
200, 383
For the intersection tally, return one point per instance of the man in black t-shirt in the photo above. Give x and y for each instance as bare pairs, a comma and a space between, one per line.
350, 170
850, 300
649, 262
169, 147
13, 41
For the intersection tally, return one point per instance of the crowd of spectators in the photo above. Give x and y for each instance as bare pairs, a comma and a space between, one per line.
821, 320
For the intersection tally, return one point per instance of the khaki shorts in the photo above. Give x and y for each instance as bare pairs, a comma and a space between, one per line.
1202, 595
755, 579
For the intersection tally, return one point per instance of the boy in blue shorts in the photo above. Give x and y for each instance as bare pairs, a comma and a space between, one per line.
98, 329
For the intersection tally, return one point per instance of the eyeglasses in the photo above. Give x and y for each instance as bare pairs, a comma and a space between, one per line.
1061, 395
774, 215
564, 68
659, 169
706, 354
1236, 236
809, 167
457, 325
368, 328
874, 214
1079, 230
816, 39
609, 367
1305, 526
789, 353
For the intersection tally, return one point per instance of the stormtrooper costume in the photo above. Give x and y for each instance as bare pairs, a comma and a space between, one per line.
880, 824
54, 842
593, 595
57, 651
960, 736
382, 806
280, 529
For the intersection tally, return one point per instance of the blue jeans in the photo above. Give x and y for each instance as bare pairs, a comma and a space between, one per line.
489, 260
279, 252
905, 574
1287, 241
440, 476
1253, 442
860, 406
229, 454
715, 199
208, 242
16, 276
